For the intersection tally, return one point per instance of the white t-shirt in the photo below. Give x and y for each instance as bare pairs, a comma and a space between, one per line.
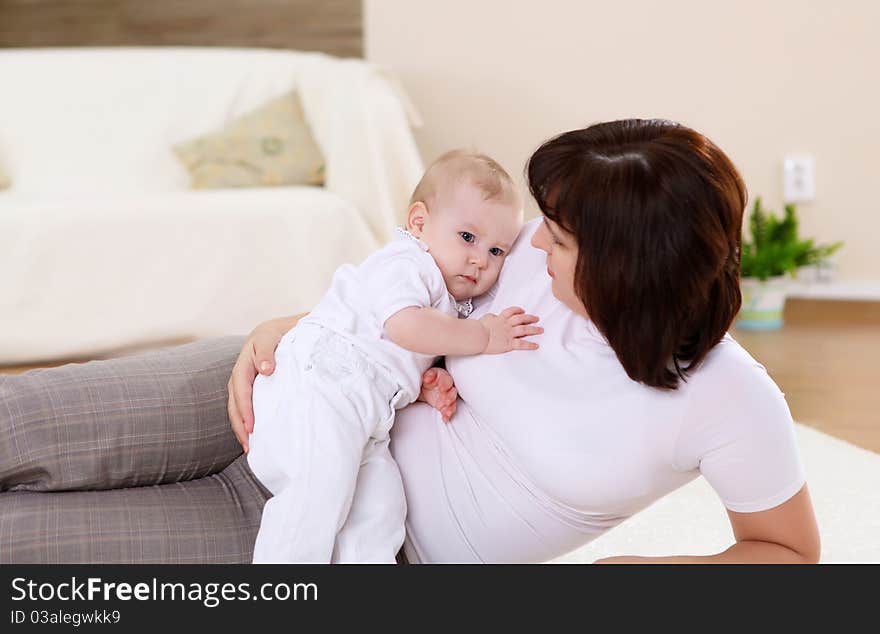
361, 298
550, 448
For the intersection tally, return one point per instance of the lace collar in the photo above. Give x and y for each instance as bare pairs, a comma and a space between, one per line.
406, 234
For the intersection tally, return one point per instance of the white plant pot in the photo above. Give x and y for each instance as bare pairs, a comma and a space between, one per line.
762, 303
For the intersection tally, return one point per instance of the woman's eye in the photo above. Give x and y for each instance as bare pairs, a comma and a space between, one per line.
467, 237
552, 235
496, 251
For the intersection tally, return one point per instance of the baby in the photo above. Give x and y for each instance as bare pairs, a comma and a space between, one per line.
320, 441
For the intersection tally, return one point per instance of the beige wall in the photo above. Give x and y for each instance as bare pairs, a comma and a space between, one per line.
762, 79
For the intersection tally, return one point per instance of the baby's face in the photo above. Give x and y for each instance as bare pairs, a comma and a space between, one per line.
469, 238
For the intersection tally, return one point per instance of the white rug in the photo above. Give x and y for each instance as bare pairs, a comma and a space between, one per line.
844, 482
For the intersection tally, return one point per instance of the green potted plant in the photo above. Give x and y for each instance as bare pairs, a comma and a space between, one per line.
768, 263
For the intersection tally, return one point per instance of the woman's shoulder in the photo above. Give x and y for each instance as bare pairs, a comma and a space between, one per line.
519, 271
739, 432
732, 378
522, 248
728, 359
523, 260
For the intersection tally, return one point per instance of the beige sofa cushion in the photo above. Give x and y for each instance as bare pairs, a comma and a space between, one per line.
271, 145
5, 181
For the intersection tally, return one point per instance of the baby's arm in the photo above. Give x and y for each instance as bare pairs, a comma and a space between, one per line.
430, 331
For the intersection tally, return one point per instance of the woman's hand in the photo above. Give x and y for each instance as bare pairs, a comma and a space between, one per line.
257, 355
439, 392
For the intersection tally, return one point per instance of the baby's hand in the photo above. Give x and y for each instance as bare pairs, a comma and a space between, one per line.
439, 392
507, 329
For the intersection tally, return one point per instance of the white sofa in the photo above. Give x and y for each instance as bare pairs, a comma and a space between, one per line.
102, 243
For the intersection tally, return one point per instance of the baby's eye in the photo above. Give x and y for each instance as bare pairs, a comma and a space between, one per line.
466, 236
496, 252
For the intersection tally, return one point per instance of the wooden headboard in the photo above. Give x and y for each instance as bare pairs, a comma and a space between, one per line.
331, 26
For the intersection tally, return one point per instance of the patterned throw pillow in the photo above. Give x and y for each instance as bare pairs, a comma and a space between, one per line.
5, 181
271, 145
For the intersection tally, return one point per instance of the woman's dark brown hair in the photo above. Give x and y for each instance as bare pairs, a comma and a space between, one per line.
656, 209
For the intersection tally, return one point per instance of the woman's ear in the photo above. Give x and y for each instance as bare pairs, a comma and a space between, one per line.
416, 217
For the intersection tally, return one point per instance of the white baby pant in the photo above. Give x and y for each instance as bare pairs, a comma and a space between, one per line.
320, 445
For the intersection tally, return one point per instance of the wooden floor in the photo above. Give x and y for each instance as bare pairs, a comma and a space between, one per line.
826, 359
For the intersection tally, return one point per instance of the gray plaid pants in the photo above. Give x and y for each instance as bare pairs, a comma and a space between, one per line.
129, 460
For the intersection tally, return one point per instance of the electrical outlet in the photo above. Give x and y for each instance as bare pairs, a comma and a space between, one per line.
798, 179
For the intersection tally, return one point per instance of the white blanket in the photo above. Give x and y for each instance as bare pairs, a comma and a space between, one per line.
103, 247
361, 119
85, 278
82, 122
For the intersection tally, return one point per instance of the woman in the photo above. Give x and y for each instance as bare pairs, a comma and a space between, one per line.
636, 389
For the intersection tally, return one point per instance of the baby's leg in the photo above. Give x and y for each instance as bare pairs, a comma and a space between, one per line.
374, 530
306, 448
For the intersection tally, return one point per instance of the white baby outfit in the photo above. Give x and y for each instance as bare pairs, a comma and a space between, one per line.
322, 419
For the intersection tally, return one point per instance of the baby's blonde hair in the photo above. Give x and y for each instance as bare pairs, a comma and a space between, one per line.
461, 165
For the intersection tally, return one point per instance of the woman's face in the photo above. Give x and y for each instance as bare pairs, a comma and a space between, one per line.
562, 255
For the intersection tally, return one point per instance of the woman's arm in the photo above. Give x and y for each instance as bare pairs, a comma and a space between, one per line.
430, 331
785, 534
257, 355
